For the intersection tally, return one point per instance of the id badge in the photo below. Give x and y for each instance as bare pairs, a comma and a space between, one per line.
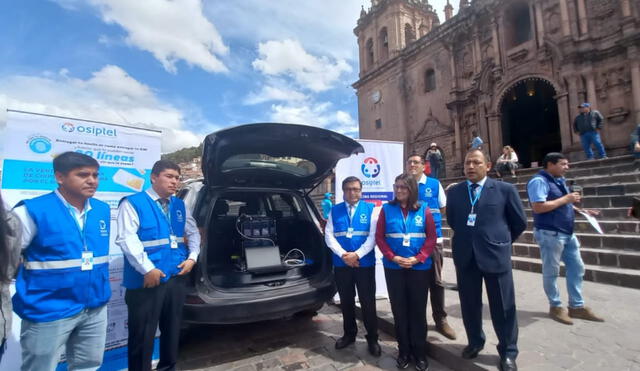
349, 232
174, 241
87, 261
471, 220
406, 240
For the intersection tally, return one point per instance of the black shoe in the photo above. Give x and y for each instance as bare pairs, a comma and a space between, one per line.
374, 348
402, 361
508, 364
344, 342
471, 351
422, 364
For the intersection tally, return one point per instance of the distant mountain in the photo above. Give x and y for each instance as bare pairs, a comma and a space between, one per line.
183, 155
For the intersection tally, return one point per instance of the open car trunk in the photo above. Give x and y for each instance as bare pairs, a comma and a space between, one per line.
258, 239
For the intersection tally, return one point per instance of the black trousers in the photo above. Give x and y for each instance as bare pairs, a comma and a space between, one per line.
364, 279
149, 308
502, 306
408, 295
436, 289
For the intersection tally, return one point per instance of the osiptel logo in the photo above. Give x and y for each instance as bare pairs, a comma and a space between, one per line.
370, 167
68, 127
89, 130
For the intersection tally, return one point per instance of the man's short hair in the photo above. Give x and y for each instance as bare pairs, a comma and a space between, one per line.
163, 165
67, 161
487, 159
351, 179
474, 133
552, 157
414, 154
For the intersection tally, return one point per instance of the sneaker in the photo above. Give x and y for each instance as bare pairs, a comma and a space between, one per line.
560, 314
584, 313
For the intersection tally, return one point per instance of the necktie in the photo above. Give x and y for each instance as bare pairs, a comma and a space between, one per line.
164, 205
474, 188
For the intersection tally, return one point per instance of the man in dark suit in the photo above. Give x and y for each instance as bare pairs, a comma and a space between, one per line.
486, 216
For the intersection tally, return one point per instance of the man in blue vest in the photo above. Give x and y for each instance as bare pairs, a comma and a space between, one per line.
430, 192
554, 210
62, 286
152, 228
350, 234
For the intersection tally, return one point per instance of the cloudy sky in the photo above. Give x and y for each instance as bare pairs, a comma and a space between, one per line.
188, 67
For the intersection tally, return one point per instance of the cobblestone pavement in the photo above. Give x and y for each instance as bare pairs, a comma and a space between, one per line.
545, 344
290, 344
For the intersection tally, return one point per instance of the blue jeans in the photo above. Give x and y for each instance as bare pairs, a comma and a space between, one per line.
592, 138
554, 247
83, 335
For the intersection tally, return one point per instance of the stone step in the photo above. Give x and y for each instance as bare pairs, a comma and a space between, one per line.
595, 273
608, 214
595, 202
628, 242
602, 188
601, 257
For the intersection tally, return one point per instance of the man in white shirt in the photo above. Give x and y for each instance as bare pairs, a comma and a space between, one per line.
161, 243
350, 234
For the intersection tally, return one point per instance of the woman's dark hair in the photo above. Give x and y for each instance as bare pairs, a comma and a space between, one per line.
412, 186
5, 254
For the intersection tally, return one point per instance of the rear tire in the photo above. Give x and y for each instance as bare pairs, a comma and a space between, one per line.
311, 312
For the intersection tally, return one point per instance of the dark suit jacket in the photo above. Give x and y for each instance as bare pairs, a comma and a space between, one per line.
500, 221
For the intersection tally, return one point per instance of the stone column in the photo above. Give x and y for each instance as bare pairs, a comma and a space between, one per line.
495, 134
452, 63
539, 24
635, 88
591, 90
626, 8
582, 18
564, 17
573, 105
477, 53
459, 145
565, 120
496, 43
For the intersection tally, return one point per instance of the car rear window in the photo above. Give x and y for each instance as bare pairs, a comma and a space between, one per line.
292, 165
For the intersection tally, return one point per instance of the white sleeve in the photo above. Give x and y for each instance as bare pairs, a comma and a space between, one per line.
330, 239
193, 236
442, 196
128, 223
514, 157
370, 242
29, 228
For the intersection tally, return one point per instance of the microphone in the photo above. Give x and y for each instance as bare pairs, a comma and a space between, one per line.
573, 187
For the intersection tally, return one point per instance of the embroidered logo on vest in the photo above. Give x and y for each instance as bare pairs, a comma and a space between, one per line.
418, 221
103, 228
363, 218
179, 215
428, 192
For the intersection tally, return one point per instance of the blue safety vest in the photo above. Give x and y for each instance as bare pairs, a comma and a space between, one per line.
560, 219
51, 284
360, 223
428, 193
395, 230
154, 232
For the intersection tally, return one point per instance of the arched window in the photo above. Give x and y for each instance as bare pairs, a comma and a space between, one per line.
518, 24
429, 80
383, 41
369, 53
409, 34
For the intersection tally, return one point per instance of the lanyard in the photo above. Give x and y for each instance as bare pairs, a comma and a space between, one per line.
404, 219
474, 200
81, 230
167, 215
350, 217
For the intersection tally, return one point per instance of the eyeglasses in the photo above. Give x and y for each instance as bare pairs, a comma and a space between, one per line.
400, 186
356, 190
414, 162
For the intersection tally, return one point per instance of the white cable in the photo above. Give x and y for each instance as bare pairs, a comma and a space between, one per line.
294, 262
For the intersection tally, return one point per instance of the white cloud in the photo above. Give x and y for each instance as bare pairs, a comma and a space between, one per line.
288, 58
109, 95
170, 30
315, 114
273, 93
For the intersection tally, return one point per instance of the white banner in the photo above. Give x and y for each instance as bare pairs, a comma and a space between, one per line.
377, 169
125, 155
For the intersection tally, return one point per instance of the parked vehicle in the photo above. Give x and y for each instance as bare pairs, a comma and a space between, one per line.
263, 253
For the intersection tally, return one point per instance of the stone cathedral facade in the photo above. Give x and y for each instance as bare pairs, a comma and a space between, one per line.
512, 70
